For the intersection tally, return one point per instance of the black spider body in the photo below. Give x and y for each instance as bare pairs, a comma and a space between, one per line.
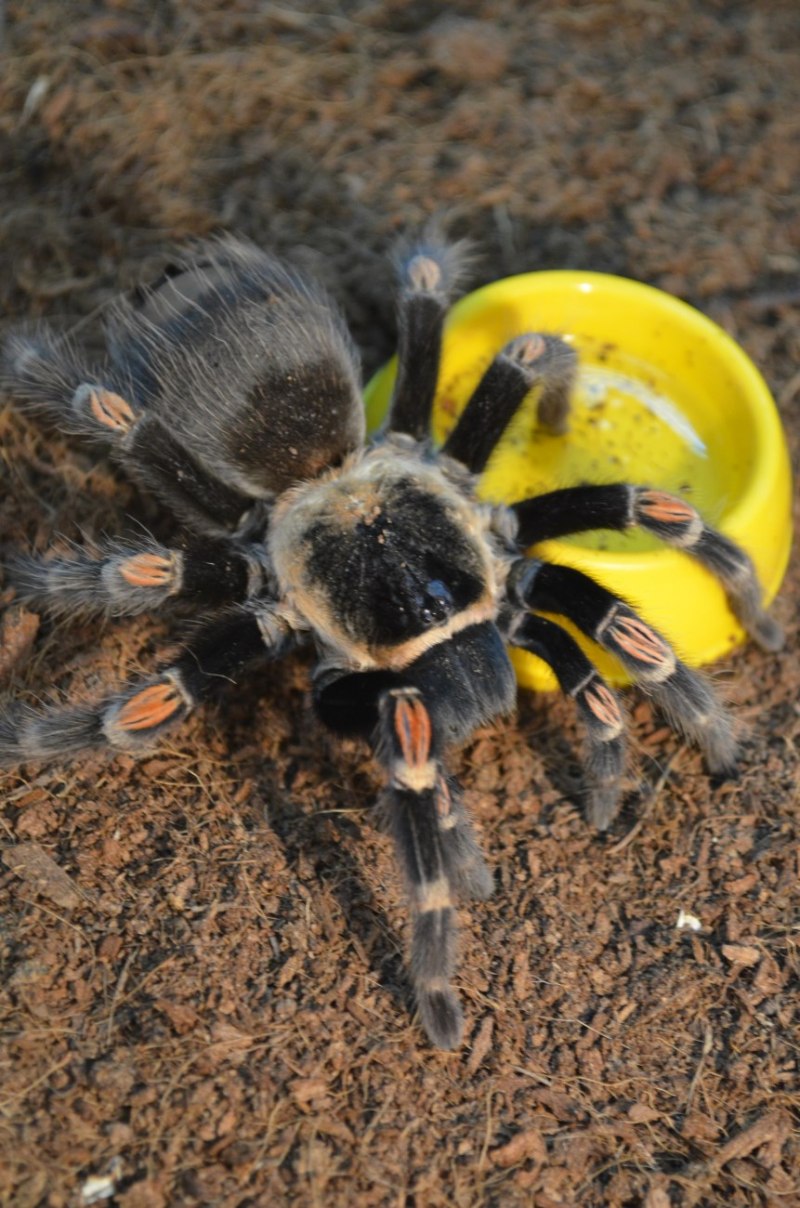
231, 392
385, 557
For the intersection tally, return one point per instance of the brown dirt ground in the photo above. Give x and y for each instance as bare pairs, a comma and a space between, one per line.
203, 992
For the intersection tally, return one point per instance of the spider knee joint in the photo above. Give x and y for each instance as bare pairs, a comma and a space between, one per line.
424, 274
106, 408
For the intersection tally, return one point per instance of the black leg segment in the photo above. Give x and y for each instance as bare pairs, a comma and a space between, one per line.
429, 273
574, 510
683, 694
525, 362
125, 578
599, 706
135, 717
159, 461
621, 506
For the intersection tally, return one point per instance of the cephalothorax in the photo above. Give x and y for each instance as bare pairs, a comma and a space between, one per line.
231, 392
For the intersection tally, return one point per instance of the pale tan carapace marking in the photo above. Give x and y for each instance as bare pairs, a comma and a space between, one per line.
356, 492
397, 657
111, 410
150, 707
147, 570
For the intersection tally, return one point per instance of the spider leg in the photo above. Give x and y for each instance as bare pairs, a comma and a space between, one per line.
599, 707
673, 520
424, 820
347, 702
683, 695
161, 463
429, 272
126, 578
467, 869
527, 361
47, 379
133, 718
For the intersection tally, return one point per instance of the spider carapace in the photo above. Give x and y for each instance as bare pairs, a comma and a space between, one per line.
231, 392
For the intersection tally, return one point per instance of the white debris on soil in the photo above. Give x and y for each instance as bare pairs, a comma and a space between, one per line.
688, 922
101, 1186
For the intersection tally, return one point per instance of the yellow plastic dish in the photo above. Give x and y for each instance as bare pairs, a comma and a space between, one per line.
664, 398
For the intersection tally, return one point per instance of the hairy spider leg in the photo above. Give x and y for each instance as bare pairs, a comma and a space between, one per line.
136, 716
164, 466
526, 361
621, 506
467, 869
48, 379
428, 273
124, 578
682, 694
228, 381
599, 706
420, 811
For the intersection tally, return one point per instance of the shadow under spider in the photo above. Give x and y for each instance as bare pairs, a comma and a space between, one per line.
323, 838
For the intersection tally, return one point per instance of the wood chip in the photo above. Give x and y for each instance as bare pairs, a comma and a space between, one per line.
741, 954
18, 629
657, 1197
482, 1043
640, 1113
308, 1090
528, 1144
764, 1130
43, 876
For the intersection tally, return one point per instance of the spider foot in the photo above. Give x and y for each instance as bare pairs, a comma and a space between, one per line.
685, 697
135, 717
441, 1015
122, 581
29, 734
693, 709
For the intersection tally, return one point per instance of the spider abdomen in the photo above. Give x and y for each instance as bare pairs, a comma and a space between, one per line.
247, 363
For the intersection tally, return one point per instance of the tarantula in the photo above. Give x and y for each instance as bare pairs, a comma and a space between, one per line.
231, 393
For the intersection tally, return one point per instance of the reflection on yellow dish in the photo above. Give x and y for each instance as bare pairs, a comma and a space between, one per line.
664, 398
